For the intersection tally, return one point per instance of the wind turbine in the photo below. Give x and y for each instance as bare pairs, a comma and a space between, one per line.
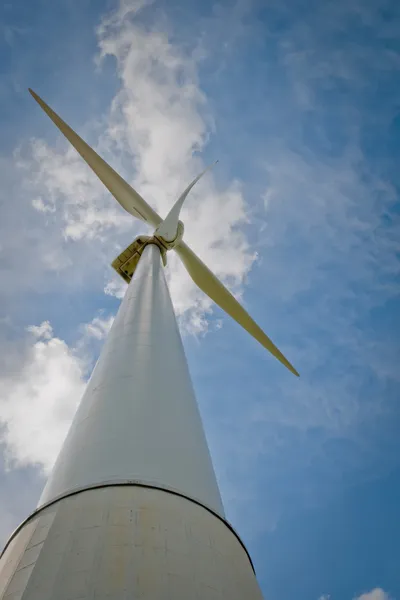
132, 509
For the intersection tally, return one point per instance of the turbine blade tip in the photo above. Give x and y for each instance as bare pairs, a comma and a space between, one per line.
33, 94
293, 370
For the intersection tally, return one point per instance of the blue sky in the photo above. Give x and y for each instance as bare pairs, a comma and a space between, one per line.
300, 102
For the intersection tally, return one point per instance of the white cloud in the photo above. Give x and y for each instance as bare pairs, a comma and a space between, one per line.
158, 122
39, 205
115, 287
69, 186
38, 402
44, 330
39, 397
375, 594
98, 328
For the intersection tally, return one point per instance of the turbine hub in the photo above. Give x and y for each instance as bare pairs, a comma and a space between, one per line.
167, 244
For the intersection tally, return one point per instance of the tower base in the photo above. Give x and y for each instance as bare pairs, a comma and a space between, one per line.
126, 542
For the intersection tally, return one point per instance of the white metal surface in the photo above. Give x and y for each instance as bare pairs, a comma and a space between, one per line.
138, 419
126, 543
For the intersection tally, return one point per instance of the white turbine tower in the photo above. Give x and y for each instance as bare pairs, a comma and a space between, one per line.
132, 509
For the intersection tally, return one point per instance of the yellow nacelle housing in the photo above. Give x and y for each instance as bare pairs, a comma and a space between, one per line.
125, 264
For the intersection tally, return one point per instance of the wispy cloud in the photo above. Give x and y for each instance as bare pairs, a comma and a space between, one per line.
375, 594
99, 327
158, 122
327, 236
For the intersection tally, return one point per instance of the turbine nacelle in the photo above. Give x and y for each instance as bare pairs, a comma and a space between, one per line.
167, 236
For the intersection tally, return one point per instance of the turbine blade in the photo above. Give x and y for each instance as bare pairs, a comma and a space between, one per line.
127, 197
169, 227
213, 287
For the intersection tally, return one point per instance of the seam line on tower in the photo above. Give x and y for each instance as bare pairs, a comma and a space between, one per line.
121, 484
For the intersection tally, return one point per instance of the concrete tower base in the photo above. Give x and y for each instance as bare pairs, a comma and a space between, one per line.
126, 542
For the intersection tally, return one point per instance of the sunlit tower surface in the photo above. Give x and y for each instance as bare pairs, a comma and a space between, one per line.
132, 509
